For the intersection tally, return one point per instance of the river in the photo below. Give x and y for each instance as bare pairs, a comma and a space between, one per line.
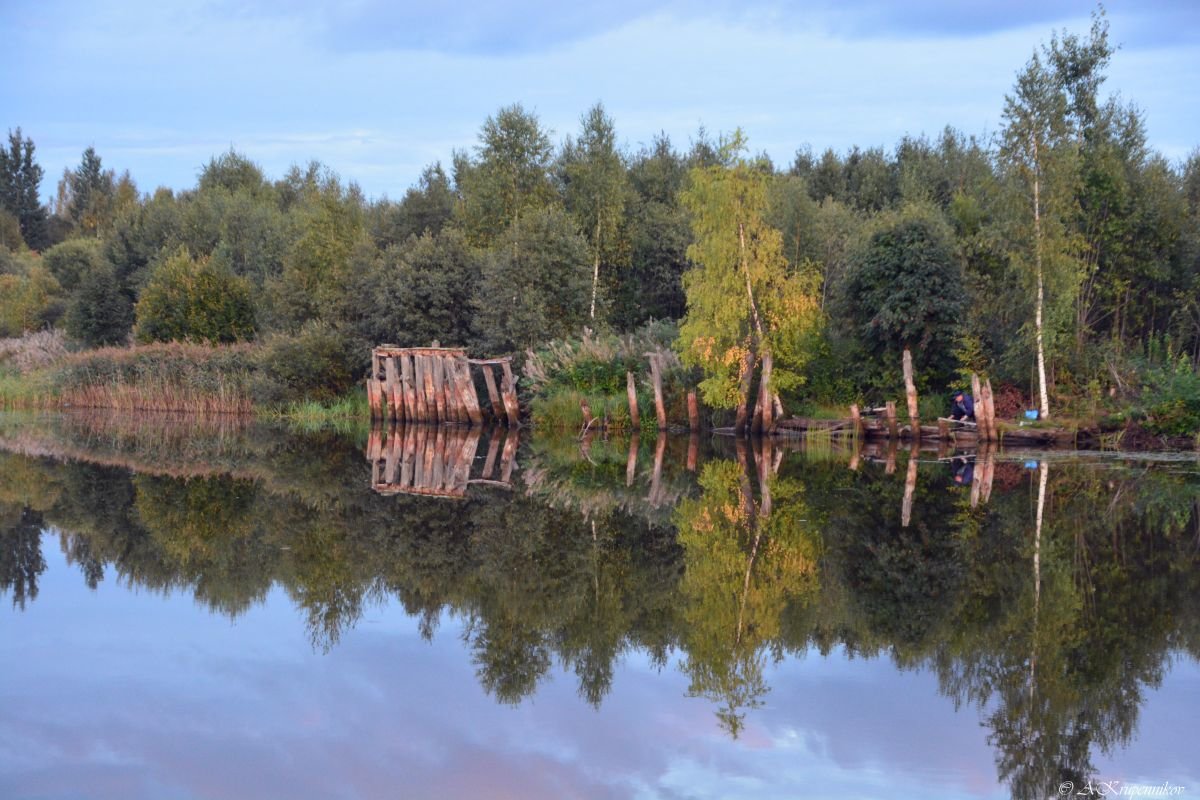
221, 608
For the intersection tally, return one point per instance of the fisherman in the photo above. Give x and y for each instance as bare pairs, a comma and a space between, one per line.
964, 407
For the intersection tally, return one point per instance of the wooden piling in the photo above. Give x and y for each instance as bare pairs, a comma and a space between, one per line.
693, 412
467, 388
910, 394
631, 393
980, 411
693, 452
856, 421
631, 460
437, 370
508, 391
407, 389
656, 380
890, 413
489, 381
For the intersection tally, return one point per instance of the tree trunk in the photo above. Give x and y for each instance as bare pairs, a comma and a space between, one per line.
596, 267
1041, 289
765, 398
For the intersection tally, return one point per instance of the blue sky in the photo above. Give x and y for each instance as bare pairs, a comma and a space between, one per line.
377, 89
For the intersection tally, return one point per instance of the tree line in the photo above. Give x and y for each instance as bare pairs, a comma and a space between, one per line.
1055, 256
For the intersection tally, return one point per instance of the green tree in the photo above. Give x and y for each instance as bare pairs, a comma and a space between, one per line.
535, 283
1041, 156
509, 176
187, 299
20, 179
99, 313
422, 291
596, 190
87, 195
426, 207
743, 303
71, 261
905, 291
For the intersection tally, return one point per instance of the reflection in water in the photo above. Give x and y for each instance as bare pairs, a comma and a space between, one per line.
1048, 597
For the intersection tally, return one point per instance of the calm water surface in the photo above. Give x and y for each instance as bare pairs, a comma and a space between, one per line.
226, 610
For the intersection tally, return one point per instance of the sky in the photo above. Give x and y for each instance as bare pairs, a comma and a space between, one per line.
378, 89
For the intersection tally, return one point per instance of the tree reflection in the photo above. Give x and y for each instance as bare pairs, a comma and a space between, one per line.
1053, 630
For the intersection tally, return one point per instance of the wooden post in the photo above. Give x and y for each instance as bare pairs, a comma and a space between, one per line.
392, 383
889, 410
980, 412
910, 393
455, 408
419, 388
656, 380
373, 395
631, 393
466, 386
693, 452
407, 389
856, 421
438, 370
489, 380
508, 390
693, 412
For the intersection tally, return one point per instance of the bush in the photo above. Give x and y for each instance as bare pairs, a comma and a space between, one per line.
1172, 399
319, 363
196, 301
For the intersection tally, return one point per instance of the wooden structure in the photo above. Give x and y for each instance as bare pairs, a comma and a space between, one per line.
438, 461
437, 385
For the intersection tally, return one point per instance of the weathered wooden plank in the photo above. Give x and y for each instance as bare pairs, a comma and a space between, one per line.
406, 387
508, 390
660, 408
489, 381
910, 394
467, 394
394, 403
419, 388
438, 372
631, 393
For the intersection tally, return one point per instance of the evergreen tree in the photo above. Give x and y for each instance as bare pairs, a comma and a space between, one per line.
99, 313
20, 179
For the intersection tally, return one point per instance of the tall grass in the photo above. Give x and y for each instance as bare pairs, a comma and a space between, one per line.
159, 377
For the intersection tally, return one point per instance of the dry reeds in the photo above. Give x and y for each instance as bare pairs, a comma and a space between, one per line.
190, 378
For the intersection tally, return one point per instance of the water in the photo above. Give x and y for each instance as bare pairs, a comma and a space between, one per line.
229, 610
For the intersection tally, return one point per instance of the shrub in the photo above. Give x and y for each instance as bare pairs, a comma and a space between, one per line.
1172, 399
194, 300
319, 363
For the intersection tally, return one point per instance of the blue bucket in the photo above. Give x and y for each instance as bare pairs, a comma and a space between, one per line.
1031, 414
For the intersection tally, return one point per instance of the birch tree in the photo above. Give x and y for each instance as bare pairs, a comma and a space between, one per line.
1038, 149
596, 189
744, 307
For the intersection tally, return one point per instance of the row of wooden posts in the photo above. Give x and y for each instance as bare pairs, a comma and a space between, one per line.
985, 427
660, 408
436, 385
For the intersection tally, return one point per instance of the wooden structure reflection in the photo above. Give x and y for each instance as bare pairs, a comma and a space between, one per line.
439, 461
